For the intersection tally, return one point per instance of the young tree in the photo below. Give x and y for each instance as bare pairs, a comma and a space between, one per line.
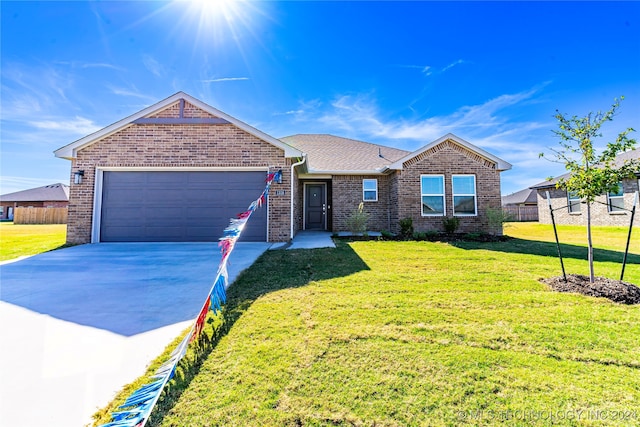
591, 174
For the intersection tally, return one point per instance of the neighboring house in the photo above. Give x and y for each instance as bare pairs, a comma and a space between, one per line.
612, 208
179, 169
49, 196
522, 205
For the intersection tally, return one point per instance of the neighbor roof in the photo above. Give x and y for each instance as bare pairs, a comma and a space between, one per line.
619, 161
48, 193
70, 151
528, 195
334, 154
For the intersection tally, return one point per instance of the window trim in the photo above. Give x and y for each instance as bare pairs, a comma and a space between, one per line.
364, 199
569, 199
443, 195
618, 210
475, 195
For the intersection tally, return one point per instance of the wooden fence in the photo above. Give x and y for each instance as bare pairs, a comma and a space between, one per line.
522, 213
40, 215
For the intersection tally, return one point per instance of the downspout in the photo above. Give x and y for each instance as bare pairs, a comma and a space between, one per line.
304, 158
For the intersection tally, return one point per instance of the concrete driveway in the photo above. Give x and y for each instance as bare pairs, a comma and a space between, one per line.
77, 324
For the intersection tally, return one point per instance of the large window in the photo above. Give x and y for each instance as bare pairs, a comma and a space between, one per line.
432, 194
573, 201
615, 199
464, 194
370, 190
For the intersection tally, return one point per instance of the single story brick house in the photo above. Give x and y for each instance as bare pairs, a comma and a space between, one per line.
48, 196
180, 169
613, 208
522, 205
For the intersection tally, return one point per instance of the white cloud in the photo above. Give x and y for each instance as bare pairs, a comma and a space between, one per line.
78, 125
453, 64
225, 79
102, 65
152, 65
492, 125
135, 93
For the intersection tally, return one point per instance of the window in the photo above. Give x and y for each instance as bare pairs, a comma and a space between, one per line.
573, 202
432, 193
464, 194
370, 190
615, 199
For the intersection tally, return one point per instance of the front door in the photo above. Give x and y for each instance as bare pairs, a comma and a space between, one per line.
315, 206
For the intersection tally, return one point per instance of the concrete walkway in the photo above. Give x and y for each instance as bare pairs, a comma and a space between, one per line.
307, 239
77, 324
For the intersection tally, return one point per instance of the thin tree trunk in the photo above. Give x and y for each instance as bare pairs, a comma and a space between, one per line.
590, 244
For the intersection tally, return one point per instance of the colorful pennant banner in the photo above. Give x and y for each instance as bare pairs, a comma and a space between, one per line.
135, 411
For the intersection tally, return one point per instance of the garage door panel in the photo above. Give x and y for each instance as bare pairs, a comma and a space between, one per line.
179, 206
128, 180
204, 196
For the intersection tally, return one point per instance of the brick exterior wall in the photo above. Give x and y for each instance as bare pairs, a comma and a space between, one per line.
447, 158
600, 214
177, 145
347, 195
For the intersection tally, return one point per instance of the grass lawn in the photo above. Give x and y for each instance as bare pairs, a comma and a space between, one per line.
416, 334
27, 239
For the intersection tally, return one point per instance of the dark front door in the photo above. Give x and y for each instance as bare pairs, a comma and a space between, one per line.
315, 206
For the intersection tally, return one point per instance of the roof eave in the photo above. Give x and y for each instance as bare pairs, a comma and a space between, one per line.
70, 151
501, 165
381, 171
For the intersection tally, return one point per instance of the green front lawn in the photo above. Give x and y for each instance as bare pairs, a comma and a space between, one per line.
27, 239
416, 333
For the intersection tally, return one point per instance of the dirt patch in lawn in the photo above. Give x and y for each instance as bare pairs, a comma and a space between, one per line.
616, 290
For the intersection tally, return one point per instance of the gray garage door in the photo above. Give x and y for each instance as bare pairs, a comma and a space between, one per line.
179, 206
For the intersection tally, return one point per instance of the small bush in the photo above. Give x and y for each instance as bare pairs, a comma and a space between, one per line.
474, 237
387, 235
406, 228
496, 218
418, 235
357, 222
451, 224
432, 235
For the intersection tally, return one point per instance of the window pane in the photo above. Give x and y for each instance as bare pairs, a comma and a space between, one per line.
370, 184
616, 204
618, 192
574, 206
369, 195
574, 202
464, 205
432, 185
432, 205
463, 185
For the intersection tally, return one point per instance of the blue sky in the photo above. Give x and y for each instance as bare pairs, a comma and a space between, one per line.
395, 73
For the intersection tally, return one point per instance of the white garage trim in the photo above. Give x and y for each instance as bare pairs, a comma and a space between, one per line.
98, 187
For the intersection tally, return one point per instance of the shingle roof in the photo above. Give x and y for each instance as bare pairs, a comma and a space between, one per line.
329, 153
619, 161
528, 195
48, 193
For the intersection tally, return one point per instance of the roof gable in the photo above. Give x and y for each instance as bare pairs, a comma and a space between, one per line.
428, 149
48, 193
161, 113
